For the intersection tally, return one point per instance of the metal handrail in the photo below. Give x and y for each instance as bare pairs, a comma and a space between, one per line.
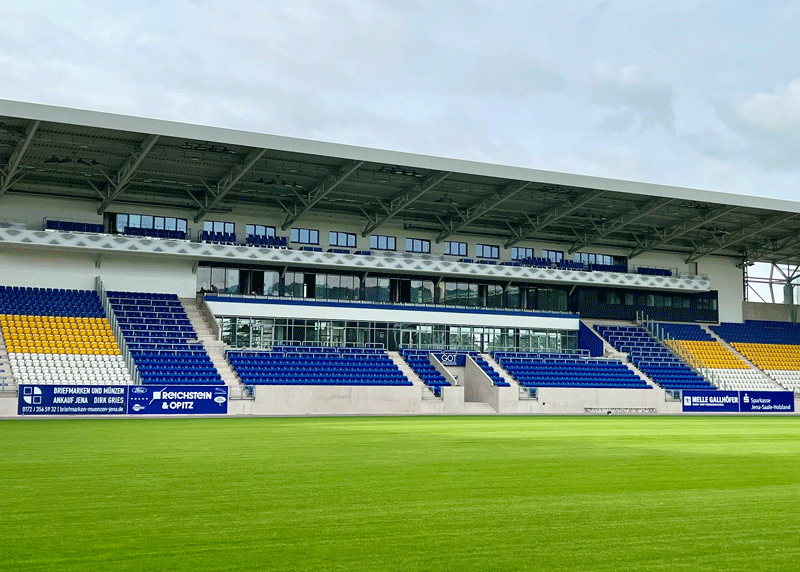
133, 369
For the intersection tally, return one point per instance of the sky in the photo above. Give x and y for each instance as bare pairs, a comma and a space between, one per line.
701, 94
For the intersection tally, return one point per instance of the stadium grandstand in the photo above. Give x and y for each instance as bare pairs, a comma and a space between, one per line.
316, 278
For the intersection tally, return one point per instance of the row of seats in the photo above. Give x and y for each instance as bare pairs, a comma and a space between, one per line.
654, 271
790, 379
709, 354
70, 369
218, 237
656, 360
62, 338
774, 347
260, 241
771, 356
739, 379
50, 302
69, 226
683, 332
308, 365
760, 332
155, 233
155, 340
419, 361
533, 370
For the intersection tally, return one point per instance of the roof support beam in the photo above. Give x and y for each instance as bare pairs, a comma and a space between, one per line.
322, 189
740, 234
119, 182
769, 251
226, 183
479, 209
547, 218
7, 174
399, 203
663, 236
618, 223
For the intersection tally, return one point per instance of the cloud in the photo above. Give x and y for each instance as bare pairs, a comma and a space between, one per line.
778, 111
636, 99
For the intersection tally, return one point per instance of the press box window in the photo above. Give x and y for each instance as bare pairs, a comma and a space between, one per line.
304, 236
554, 255
260, 230
379, 242
455, 248
487, 251
520, 253
218, 226
342, 239
124, 221
418, 245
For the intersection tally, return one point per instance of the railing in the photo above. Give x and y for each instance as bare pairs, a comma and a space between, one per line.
209, 316
410, 305
657, 331
112, 319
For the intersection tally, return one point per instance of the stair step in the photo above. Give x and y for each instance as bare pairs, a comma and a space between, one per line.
214, 348
478, 408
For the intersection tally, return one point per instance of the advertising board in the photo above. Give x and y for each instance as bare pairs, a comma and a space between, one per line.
178, 399
72, 399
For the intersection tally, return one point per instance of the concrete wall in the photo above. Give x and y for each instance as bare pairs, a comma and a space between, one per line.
576, 400
478, 387
324, 400
441, 369
728, 280
336, 400
41, 268
762, 311
8, 405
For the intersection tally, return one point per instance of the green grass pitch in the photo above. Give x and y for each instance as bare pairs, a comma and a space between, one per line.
382, 494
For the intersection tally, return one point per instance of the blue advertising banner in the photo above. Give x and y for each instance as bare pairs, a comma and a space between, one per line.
72, 400
451, 358
711, 401
178, 399
767, 401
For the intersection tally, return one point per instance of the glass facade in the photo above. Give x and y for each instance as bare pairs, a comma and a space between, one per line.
263, 333
123, 221
588, 301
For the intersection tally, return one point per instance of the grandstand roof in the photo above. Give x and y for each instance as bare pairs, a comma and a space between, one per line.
118, 160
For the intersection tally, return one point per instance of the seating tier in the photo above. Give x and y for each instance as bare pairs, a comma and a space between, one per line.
161, 339
656, 360
568, 370
316, 365
63, 337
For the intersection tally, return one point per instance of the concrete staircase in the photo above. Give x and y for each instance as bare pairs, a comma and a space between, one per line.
405, 368
214, 347
477, 408
611, 352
